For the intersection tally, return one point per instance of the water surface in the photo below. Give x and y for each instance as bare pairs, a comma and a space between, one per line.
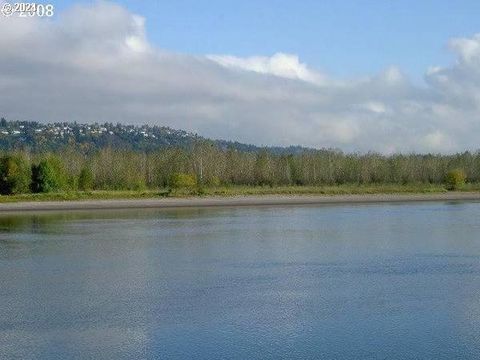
396, 281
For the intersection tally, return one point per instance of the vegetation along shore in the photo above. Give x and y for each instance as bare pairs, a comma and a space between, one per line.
54, 164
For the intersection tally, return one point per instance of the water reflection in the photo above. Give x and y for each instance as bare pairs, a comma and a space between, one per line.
370, 281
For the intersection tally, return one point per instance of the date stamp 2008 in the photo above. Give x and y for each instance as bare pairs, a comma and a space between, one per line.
27, 9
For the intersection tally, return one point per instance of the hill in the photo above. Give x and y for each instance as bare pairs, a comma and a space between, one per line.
40, 137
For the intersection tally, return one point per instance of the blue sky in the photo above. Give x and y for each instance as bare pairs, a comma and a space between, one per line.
386, 76
343, 38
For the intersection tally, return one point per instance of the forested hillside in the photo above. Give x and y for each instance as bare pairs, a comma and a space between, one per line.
65, 157
34, 136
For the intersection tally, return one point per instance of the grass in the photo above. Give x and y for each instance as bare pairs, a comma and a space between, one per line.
345, 189
85, 195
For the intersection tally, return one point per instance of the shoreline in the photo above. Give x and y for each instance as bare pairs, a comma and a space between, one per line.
232, 201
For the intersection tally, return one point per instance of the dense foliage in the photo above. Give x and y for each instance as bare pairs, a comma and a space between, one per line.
15, 174
49, 175
180, 180
85, 179
205, 164
455, 179
69, 156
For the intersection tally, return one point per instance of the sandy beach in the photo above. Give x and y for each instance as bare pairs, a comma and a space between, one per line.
265, 200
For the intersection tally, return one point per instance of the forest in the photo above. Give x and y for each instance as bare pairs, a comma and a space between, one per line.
205, 165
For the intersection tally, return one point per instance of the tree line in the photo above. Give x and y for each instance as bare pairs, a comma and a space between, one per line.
205, 164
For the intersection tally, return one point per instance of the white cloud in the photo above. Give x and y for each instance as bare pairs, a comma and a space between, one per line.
374, 107
468, 50
280, 64
94, 63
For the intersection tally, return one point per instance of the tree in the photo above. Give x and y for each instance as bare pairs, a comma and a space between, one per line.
85, 179
455, 179
262, 169
180, 180
48, 176
15, 174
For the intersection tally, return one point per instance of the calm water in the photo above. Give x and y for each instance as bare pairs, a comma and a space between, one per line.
392, 281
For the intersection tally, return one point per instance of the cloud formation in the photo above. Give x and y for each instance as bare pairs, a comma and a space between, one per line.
94, 63
280, 64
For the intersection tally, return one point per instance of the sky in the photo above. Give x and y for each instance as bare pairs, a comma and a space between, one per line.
386, 76
343, 38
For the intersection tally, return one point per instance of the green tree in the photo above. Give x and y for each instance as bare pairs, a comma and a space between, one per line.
15, 174
180, 180
48, 176
455, 179
85, 179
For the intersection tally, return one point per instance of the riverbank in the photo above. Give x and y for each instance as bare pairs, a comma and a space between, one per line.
237, 190
265, 200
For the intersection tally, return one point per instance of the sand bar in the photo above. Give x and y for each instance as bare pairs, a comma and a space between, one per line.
262, 200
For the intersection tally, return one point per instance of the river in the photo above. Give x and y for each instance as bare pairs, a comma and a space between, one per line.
377, 281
